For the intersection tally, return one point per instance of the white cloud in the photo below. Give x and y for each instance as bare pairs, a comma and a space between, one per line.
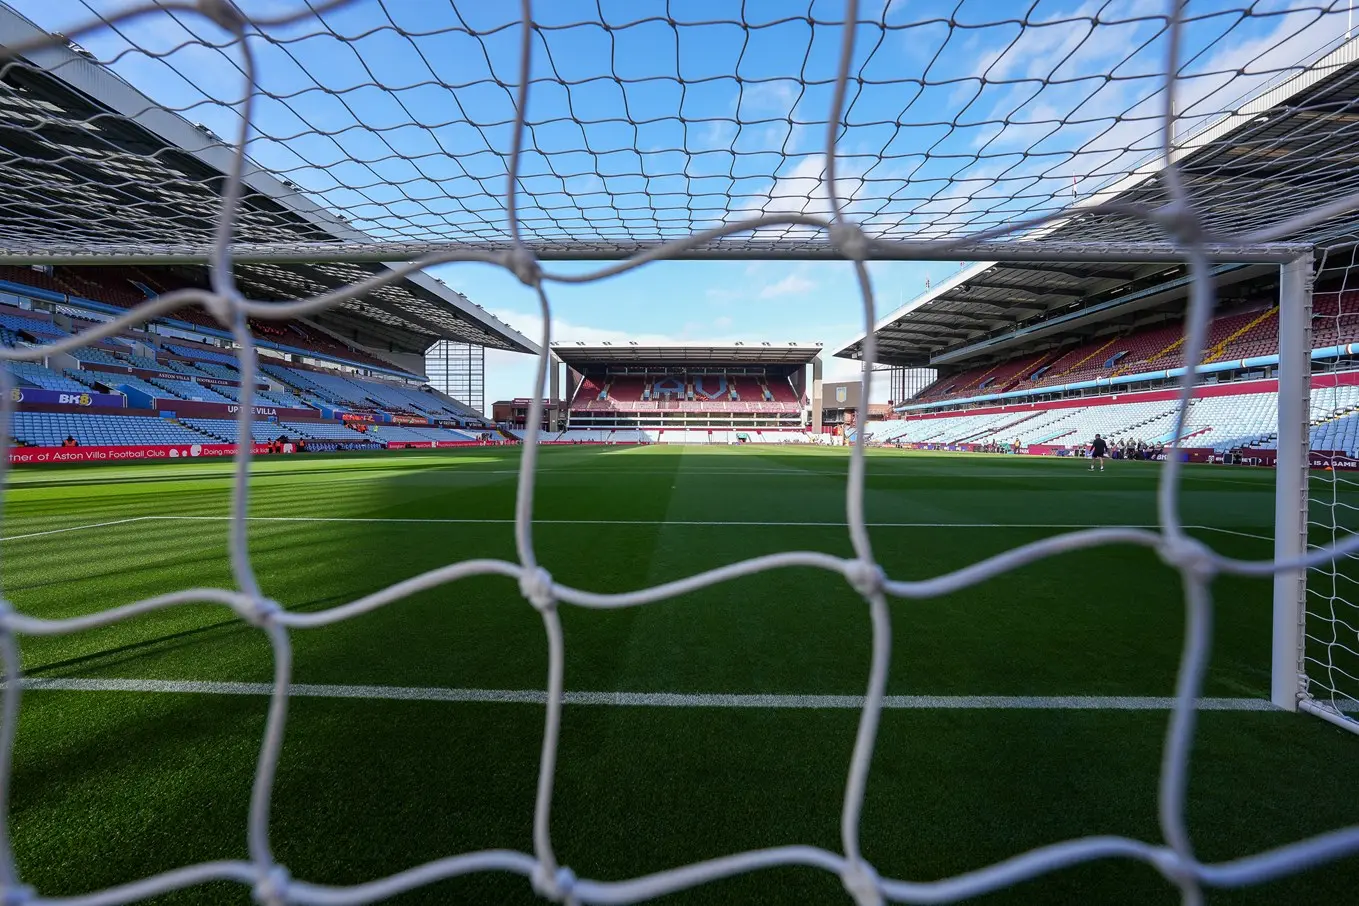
791, 285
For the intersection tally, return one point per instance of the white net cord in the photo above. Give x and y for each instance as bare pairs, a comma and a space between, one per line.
1330, 623
1173, 857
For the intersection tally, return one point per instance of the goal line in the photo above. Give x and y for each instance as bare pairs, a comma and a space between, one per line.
700, 523
651, 699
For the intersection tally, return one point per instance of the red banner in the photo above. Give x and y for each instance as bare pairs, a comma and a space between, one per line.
46, 455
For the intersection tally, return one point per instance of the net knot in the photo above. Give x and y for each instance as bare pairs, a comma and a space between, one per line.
861, 881
536, 587
222, 308
524, 264
557, 886
1177, 869
263, 612
1181, 221
867, 578
1191, 557
224, 13
849, 239
272, 887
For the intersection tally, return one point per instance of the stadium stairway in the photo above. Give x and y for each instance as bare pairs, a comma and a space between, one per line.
1221, 348
1077, 365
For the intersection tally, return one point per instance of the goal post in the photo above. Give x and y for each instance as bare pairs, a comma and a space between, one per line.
1316, 611
1291, 479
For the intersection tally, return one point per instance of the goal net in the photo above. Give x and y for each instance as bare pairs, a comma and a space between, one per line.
350, 132
1329, 654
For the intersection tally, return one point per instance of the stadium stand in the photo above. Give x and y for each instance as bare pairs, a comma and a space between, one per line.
98, 356
128, 287
190, 390
225, 430
324, 431
202, 353
1242, 334
49, 429
1222, 423
31, 374
397, 434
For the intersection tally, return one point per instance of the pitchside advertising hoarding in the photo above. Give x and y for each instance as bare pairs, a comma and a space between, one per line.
20, 456
65, 397
432, 444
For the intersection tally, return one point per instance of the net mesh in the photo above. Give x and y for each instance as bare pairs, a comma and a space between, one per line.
519, 214
393, 124
1330, 650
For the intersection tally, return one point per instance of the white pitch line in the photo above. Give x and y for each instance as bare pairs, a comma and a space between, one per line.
80, 528
650, 699
638, 522
689, 522
1225, 531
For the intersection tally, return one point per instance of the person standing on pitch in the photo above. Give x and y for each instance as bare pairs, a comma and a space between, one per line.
1098, 450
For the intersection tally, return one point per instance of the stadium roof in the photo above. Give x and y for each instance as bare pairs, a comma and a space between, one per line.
753, 353
86, 159
1288, 150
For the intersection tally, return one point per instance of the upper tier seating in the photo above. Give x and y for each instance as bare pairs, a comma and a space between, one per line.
679, 390
1237, 335
31, 374
188, 390
203, 353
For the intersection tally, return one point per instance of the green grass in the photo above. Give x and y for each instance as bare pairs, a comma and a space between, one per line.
110, 787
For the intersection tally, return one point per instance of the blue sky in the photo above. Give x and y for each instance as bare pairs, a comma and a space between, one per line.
398, 114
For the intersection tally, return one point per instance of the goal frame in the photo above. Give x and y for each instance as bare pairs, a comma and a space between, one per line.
1288, 683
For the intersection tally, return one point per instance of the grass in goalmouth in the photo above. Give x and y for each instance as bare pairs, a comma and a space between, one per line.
1029, 712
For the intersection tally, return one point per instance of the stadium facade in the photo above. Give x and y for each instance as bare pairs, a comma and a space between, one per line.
687, 392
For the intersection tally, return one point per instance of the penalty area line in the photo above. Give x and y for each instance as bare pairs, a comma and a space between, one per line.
649, 699
79, 528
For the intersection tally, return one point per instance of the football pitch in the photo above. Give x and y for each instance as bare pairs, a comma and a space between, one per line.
1031, 708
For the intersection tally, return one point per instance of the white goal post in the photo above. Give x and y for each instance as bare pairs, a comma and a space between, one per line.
1291, 481
1316, 611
